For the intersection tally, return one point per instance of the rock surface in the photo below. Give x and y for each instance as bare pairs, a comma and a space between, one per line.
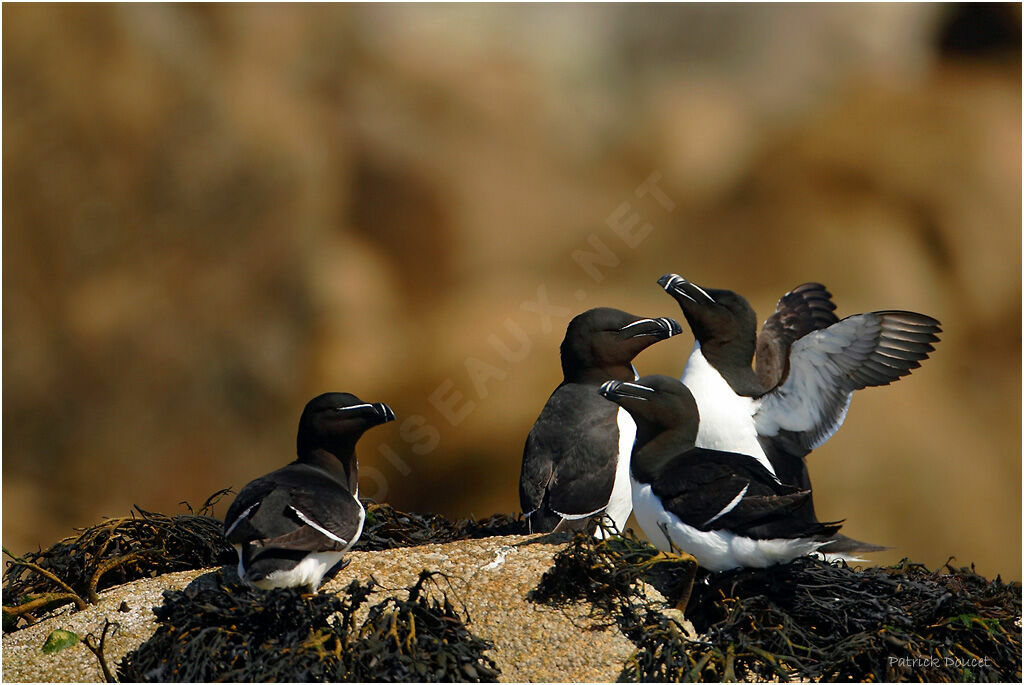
489, 580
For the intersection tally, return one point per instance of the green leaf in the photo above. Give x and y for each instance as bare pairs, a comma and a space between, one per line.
58, 640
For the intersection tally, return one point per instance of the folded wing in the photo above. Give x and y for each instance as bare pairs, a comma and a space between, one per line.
568, 460
712, 490
277, 511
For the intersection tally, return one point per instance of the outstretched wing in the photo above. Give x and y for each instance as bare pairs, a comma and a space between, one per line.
826, 366
805, 308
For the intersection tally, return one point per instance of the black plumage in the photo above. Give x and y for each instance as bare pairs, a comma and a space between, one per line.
569, 458
571, 455
724, 508
700, 483
293, 526
809, 363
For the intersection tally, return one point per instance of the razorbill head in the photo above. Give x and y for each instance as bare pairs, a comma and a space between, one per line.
723, 508
602, 343
576, 457
723, 323
292, 527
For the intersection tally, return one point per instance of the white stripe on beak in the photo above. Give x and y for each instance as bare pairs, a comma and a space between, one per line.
637, 386
679, 289
672, 281
357, 406
635, 323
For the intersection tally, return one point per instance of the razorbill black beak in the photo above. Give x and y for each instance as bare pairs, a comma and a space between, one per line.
384, 411
636, 391
377, 410
660, 328
669, 280
674, 283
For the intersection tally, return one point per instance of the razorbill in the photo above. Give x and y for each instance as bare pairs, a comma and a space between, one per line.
293, 526
725, 509
576, 457
809, 363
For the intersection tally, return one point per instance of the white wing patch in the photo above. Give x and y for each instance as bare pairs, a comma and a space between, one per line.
577, 517
816, 395
728, 507
315, 526
239, 519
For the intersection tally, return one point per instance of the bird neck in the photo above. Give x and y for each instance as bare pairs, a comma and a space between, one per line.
339, 463
596, 375
652, 453
732, 359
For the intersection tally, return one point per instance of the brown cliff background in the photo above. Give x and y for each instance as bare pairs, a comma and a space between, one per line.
212, 213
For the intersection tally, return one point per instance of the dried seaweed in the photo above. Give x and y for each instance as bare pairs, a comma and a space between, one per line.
418, 639
110, 553
606, 573
147, 544
97, 647
830, 622
389, 528
808, 620
233, 633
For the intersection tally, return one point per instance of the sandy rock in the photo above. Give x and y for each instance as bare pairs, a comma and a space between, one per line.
489, 580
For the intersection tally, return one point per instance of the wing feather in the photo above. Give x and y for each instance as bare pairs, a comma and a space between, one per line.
805, 308
712, 490
297, 507
827, 365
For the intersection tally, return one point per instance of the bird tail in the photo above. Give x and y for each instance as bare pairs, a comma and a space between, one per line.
848, 549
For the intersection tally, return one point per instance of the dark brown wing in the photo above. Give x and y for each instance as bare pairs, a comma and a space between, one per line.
803, 309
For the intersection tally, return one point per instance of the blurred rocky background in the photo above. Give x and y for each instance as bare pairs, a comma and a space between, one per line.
212, 213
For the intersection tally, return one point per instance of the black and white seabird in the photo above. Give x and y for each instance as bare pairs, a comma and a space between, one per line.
293, 526
576, 457
724, 508
809, 363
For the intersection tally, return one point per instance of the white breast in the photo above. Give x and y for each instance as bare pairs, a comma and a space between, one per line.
310, 571
716, 550
726, 419
620, 504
